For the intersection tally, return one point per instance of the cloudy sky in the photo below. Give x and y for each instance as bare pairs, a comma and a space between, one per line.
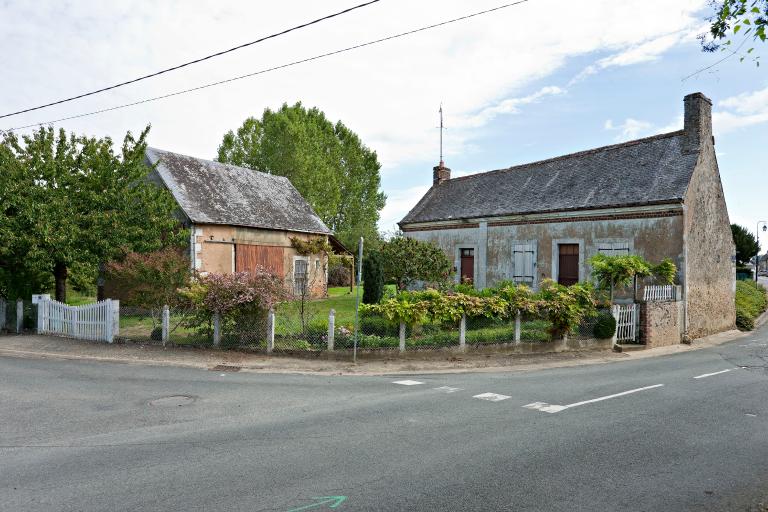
532, 81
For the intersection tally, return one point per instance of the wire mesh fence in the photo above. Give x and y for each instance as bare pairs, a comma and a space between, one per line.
296, 328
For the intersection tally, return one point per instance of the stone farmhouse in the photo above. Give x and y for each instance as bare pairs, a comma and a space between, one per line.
239, 218
658, 197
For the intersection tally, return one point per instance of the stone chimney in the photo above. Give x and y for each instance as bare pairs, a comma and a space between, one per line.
697, 124
440, 174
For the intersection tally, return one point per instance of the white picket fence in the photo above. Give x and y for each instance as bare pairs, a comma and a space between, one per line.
626, 321
661, 293
97, 322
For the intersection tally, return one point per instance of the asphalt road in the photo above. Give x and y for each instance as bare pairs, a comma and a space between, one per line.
80, 436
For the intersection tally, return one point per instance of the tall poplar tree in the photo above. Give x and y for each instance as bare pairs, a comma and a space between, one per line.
327, 163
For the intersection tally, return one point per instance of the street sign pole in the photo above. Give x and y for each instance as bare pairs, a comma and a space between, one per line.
357, 296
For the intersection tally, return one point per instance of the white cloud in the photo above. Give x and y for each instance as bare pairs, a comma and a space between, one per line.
740, 111
509, 106
629, 129
746, 109
646, 51
399, 203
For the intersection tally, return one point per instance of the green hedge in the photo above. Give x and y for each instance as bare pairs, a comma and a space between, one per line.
751, 301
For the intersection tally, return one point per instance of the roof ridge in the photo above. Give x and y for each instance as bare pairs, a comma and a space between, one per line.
573, 155
216, 162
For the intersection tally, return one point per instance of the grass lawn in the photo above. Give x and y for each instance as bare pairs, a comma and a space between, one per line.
339, 299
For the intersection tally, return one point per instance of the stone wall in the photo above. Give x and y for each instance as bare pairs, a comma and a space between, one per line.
661, 323
709, 251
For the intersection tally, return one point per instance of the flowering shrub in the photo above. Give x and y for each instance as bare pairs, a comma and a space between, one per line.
242, 300
223, 293
564, 307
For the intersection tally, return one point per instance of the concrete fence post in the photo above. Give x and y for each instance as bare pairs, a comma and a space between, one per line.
615, 313
110, 322
115, 317
517, 326
331, 329
166, 323
463, 333
216, 329
270, 331
402, 336
41, 313
19, 316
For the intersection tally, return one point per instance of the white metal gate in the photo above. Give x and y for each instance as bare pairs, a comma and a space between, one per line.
98, 322
626, 321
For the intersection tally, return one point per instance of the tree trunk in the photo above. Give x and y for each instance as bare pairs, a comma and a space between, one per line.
60, 276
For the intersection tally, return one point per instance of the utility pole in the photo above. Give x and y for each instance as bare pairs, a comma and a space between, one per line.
357, 296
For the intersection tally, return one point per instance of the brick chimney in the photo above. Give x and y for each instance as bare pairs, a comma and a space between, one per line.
697, 123
440, 174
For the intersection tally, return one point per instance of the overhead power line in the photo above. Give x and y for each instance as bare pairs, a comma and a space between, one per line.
274, 68
185, 64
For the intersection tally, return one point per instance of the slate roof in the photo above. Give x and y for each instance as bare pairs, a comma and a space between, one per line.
652, 170
214, 193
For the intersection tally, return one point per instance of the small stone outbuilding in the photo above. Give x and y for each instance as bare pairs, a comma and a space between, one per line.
239, 218
658, 197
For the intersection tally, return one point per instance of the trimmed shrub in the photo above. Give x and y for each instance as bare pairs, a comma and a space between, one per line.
605, 326
751, 301
373, 279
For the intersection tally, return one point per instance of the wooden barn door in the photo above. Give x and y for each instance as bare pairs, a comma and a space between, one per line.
568, 264
269, 257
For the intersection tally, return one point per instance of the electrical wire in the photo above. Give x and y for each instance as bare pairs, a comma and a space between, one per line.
274, 68
196, 61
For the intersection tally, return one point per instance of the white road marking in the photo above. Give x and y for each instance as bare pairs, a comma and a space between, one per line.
551, 408
711, 374
491, 397
407, 382
447, 389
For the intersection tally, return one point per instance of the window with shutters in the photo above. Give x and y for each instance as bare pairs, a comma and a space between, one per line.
524, 263
613, 248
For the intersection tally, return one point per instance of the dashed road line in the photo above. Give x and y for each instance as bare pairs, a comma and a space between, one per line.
408, 382
711, 374
491, 397
448, 389
552, 408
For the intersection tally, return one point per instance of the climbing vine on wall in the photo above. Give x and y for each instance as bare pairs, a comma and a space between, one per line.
313, 246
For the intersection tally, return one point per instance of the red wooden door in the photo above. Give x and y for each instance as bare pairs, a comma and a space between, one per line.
269, 257
568, 264
468, 266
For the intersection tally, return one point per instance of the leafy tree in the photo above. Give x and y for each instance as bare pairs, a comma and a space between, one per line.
615, 271
748, 17
746, 244
73, 201
328, 164
407, 260
373, 279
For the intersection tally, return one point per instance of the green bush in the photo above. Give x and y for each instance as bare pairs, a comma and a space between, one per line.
605, 326
751, 301
373, 277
